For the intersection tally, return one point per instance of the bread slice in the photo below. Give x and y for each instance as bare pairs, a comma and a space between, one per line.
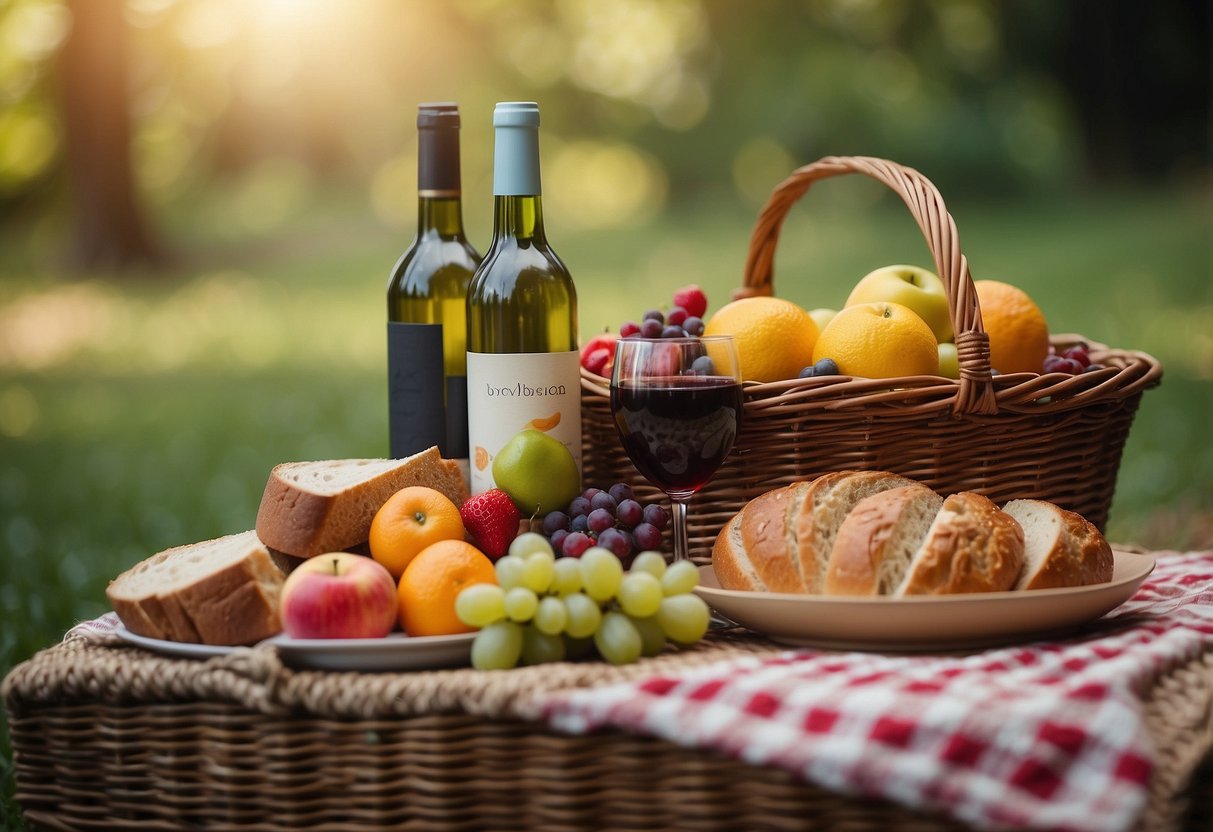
875, 543
222, 591
824, 507
310, 508
972, 546
768, 535
1061, 548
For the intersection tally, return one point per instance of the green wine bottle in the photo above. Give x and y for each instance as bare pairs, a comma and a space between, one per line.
426, 302
523, 369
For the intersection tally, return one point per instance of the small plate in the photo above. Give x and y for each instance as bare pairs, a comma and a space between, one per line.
179, 649
395, 652
923, 623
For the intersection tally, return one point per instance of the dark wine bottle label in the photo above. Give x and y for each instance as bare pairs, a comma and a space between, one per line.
416, 414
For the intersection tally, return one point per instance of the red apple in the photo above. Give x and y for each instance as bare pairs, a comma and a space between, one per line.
339, 595
598, 354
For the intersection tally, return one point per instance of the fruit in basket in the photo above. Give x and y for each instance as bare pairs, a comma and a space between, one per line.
913, 287
1019, 335
822, 316
774, 337
691, 298
949, 360
613, 519
684, 320
1072, 360
598, 354
410, 520
432, 582
537, 471
586, 604
338, 595
879, 340
491, 518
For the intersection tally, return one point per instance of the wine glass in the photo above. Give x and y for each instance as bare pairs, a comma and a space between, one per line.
677, 405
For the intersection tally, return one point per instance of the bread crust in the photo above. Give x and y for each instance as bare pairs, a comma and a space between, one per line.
302, 522
826, 503
1079, 555
234, 603
768, 533
875, 542
972, 546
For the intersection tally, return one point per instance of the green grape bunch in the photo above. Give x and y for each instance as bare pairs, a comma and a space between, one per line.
546, 609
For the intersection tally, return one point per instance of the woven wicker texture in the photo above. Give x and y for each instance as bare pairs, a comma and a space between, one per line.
110, 737
1053, 437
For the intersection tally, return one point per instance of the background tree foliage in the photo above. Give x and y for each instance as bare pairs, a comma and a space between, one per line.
657, 103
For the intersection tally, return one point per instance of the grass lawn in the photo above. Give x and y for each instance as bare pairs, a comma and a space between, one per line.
141, 414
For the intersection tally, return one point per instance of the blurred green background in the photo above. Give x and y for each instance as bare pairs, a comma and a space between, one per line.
200, 201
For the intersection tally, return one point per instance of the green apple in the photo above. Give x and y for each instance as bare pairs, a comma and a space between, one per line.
949, 364
911, 286
538, 472
822, 316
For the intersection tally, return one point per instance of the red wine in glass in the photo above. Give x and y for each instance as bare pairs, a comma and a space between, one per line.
677, 404
677, 430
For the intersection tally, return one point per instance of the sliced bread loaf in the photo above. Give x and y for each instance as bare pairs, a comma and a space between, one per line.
875, 543
1061, 548
222, 591
971, 546
825, 505
310, 508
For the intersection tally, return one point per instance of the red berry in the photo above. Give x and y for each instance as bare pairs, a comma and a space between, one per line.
1079, 354
491, 519
676, 317
692, 299
628, 329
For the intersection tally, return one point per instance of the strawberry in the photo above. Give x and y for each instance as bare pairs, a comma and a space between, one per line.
492, 520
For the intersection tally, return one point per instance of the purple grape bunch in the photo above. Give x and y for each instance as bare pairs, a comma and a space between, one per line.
613, 519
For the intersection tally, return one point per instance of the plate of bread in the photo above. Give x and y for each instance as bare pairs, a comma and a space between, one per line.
209, 598
872, 560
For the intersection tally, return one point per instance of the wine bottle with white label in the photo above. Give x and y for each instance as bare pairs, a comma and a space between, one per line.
426, 301
523, 369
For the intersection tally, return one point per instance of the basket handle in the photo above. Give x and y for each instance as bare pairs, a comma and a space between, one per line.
976, 390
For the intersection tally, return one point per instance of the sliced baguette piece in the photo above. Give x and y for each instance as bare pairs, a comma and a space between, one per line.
824, 506
874, 544
972, 546
768, 535
1061, 548
222, 591
310, 508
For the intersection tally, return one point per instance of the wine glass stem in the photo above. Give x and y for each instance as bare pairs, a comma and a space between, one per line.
680, 529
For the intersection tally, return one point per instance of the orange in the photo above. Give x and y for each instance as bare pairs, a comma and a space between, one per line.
433, 580
774, 337
410, 520
879, 340
1019, 336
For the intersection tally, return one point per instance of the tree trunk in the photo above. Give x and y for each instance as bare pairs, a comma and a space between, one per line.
109, 231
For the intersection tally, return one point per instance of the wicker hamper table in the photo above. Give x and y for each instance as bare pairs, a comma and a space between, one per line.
109, 736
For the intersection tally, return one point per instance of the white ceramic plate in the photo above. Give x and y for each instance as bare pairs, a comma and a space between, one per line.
179, 649
396, 652
926, 622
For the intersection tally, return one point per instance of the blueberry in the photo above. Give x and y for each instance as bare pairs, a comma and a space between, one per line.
825, 367
703, 366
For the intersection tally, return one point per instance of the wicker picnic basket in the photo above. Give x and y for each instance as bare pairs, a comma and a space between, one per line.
1053, 437
109, 736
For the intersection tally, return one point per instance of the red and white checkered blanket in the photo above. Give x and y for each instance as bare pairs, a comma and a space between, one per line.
1048, 735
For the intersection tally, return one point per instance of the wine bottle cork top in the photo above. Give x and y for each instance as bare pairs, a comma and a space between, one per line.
516, 114
438, 114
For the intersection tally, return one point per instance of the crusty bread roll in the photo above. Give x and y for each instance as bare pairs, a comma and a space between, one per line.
222, 591
309, 508
877, 540
781, 540
1061, 548
972, 546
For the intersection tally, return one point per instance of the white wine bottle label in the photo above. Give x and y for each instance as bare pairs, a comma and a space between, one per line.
416, 413
512, 392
